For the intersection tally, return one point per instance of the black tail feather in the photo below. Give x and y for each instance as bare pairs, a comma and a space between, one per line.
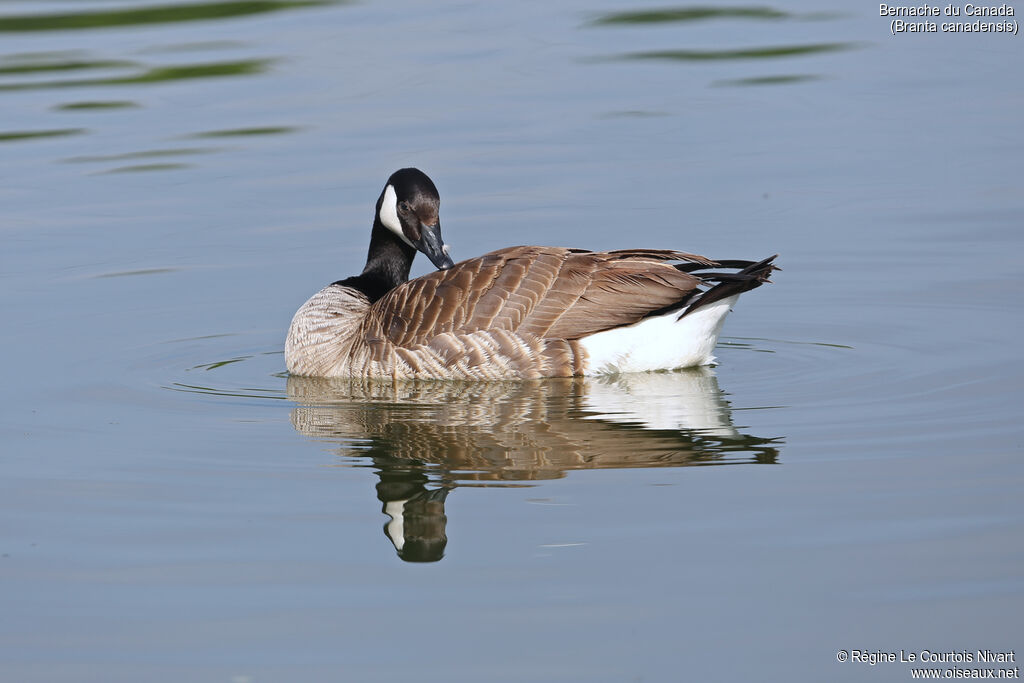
752, 274
728, 263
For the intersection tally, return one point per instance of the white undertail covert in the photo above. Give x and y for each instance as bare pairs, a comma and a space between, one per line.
658, 343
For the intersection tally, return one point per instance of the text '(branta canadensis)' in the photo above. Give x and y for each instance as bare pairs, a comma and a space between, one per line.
517, 313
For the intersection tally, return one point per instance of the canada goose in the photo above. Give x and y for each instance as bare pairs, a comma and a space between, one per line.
424, 440
515, 313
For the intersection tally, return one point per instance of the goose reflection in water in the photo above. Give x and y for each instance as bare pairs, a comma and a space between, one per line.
425, 438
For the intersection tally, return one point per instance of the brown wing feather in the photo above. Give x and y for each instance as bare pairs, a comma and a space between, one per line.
547, 292
619, 289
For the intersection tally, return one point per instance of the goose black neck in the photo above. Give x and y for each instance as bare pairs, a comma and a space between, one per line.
387, 264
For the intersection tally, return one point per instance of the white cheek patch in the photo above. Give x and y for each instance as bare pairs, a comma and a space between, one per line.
395, 509
389, 214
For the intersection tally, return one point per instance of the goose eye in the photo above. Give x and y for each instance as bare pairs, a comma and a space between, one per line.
404, 207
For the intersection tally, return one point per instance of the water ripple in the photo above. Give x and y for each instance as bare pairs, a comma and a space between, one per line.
770, 52
19, 135
156, 74
687, 14
97, 19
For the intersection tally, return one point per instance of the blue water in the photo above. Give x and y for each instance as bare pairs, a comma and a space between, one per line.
174, 184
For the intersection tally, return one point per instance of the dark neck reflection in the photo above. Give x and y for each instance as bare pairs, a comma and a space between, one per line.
417, 521
426, 438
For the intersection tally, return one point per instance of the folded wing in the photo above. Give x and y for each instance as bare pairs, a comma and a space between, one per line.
546, 292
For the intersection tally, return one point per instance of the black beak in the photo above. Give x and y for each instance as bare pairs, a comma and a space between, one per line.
431, 244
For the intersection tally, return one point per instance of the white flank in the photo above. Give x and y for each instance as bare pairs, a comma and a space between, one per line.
688, 400
389, 213
660, 343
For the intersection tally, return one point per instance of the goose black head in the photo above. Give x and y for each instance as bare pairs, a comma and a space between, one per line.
408, 207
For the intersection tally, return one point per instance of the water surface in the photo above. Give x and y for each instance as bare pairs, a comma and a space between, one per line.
179, 177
